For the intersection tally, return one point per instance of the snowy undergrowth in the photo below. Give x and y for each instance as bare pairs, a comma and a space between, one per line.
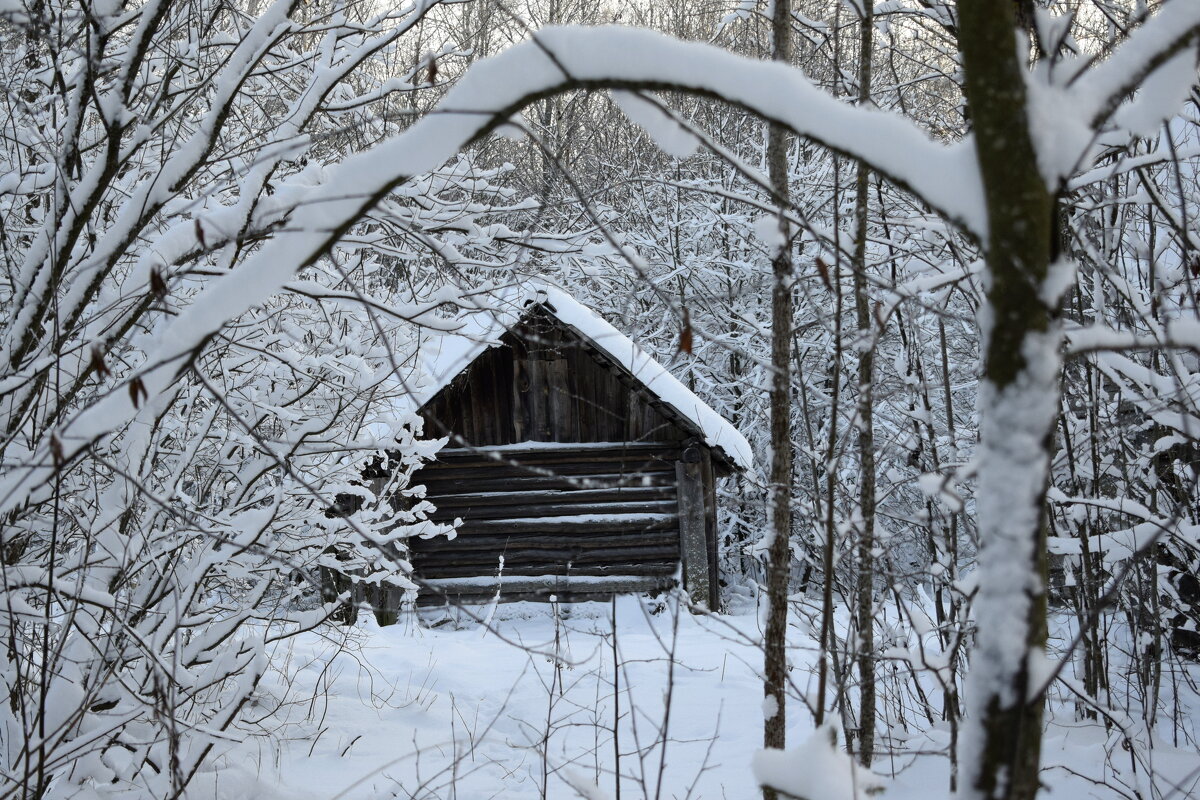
526, 710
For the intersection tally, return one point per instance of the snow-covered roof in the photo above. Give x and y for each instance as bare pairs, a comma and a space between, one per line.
445, 355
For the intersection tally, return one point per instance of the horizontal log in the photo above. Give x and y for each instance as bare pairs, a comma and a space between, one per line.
436, 486
540, 596
555, 462
515, 590
614, 523
498, 469
619, 494
481, 512
489, 562
504, 542
539, 452
553, 570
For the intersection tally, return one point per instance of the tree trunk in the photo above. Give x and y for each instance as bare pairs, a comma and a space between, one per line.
866, 432
780, 498
1017, 405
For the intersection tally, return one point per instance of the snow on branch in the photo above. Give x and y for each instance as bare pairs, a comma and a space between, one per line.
1152, 45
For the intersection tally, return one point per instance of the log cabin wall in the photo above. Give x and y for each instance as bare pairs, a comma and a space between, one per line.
576, 523
575, 480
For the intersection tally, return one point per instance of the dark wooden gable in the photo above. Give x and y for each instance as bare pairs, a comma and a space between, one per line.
544, 383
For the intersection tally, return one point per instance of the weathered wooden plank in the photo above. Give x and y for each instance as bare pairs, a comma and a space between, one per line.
562, 448
692, 536
522, 410
501, 469
447, 486
584, 570
710, 526
562, 453
501, 543
478, 401
539, 426
487, 561
567, 525
515, 589
519, 467
559, 406
500, 420
504, 469
619, 494
551, 508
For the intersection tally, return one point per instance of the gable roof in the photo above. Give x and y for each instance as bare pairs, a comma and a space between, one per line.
443, 356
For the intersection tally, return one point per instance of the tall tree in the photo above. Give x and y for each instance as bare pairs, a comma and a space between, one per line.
865, 606
1019, 404
779, 553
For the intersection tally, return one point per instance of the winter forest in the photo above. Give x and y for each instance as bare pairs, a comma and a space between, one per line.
937, 262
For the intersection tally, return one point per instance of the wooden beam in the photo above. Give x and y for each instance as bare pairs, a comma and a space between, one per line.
438, 487
505, 543
707, 470
693, 540
557, 554
663, 568
617, 523
498, 469
620, 494
549, 509
515, 588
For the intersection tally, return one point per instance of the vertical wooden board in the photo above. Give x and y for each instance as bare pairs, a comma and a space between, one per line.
585, 387
536, 397
453, 409
632, 413
561, 406
710, 527
597, 395
635, 429
554, 388
506, 397
494, 399
692, 538
578, 383
598, 392
522, 413
474, 408
475, 404
570, 398
534, 401
438, 417
550, 380
618, 401
650, 420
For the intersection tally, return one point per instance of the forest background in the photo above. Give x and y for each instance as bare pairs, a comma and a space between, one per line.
948, 251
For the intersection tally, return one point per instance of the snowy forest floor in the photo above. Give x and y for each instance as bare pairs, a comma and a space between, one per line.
466, 711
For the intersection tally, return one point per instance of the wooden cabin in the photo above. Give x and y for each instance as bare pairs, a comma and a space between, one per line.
578, 466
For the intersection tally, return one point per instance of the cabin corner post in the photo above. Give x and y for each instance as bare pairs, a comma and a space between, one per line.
693, 534
710, 529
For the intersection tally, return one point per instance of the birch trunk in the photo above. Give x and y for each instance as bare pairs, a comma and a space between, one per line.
866, 433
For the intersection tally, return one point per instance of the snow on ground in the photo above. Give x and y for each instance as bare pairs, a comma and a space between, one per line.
455, 711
